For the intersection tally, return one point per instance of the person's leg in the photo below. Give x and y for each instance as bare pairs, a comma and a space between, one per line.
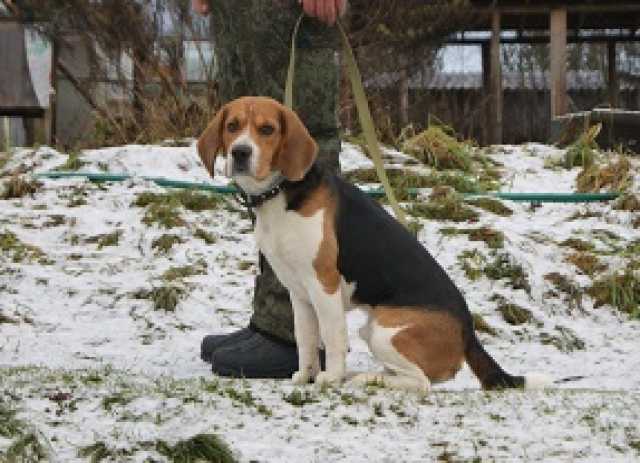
252, 58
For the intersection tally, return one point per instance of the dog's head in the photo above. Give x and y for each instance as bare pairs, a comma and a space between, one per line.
261, 141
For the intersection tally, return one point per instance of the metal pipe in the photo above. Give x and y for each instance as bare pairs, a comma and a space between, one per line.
376, 193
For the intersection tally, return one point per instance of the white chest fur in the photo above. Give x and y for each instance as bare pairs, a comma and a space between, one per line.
290, 242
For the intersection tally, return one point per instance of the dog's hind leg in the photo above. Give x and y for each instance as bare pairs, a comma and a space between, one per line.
400, 372
420, 346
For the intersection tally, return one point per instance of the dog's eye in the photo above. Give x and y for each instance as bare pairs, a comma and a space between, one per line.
233, 126
266, 129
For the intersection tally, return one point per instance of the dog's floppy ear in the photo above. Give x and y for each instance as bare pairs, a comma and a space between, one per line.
210, 142
298, 150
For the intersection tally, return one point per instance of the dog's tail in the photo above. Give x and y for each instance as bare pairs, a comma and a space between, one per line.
492, 376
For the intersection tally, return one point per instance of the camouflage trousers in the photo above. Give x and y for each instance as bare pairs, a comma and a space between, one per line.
252, 42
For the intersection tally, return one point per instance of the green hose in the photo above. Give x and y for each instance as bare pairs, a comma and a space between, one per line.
165, 182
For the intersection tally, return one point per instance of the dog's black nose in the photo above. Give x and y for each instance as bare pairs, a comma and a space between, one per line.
241, 152
241, 155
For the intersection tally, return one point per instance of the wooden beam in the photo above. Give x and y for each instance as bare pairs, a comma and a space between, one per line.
543, 39
486, 90
613, 75
53, 95
558, 33
495, 77
533, 7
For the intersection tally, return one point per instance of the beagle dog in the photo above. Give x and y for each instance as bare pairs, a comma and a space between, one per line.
334, 249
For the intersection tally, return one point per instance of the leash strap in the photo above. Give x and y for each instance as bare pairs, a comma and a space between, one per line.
364, 113
288, 87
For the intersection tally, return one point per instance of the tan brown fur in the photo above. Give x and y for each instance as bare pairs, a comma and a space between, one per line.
432, 339
326, 261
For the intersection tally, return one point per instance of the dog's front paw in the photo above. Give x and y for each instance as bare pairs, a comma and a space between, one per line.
329, 378
301, 377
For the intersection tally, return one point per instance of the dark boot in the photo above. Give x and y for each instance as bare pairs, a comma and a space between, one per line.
257, 356
215, 341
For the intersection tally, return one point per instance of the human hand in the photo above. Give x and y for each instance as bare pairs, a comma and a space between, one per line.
326, 11
200, 6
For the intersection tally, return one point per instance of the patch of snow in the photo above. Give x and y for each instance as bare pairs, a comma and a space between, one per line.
83, 314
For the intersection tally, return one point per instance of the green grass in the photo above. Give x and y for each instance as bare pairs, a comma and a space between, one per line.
18, 251
185, 271
189, 199
10, 426
164, 297
6, 320
165, 215
109, 239
582, 152
620, 290
493, 238
74, 162
502, 267
199, 448
27, 448
445, 207
472, 263
299, 398
163, 209
481, 325
491, 205
562, 284
514, 314
165, 243
565, 340
95, 453
208, 238
113, 400
401, 180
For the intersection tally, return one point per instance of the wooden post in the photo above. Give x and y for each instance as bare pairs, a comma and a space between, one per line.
613, 74
558, 32
495, 69
487, 101
403, 90
53, 95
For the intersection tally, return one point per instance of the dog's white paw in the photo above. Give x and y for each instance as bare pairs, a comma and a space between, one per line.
301, 377
329, 378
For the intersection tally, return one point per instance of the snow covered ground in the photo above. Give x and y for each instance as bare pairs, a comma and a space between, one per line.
89, 361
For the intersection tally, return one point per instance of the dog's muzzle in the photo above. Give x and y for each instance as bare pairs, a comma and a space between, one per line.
241, 156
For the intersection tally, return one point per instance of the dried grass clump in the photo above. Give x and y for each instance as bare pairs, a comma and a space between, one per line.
587, 263
202, 447
447, 207
17, 187
437, 146
627, 202
480, 325
614, 176
582, 152
491, 205
622, 291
